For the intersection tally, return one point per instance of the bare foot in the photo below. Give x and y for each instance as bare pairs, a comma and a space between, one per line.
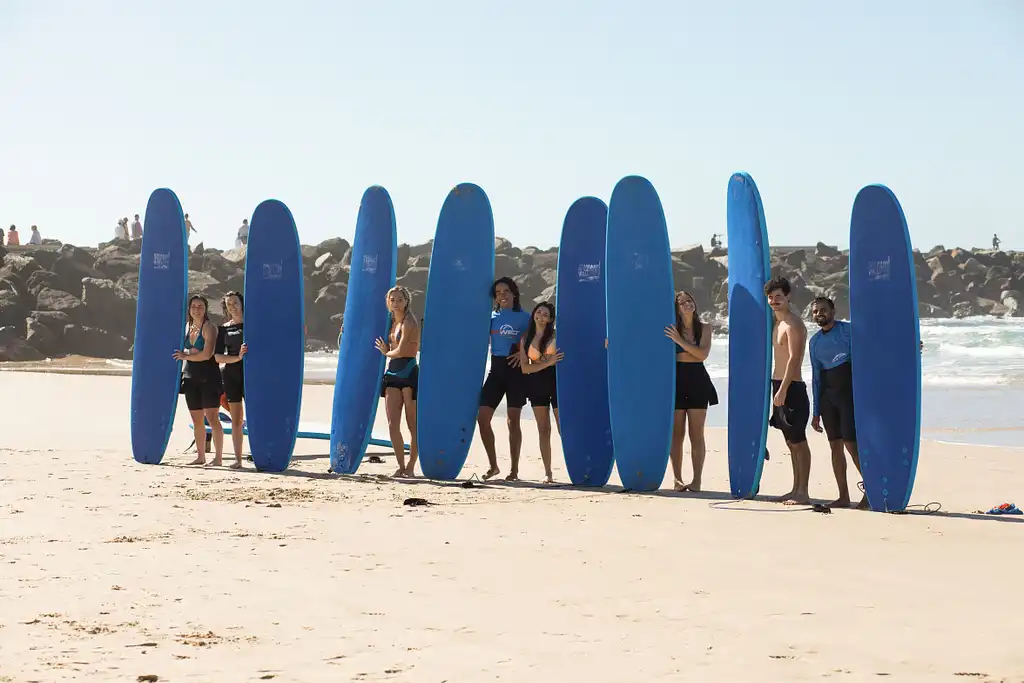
199, 461
410, 472
217, 462
864, 504
400, 472
782, 499
237, 465
493, 472
841, 502
513, 476
799, 499
693, 486
548, 479
679, 486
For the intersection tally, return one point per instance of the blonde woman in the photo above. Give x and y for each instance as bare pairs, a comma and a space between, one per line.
400, 378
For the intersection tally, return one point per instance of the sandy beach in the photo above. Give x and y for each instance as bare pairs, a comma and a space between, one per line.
114, 571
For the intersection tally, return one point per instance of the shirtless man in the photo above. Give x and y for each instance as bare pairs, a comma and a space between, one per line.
791, 408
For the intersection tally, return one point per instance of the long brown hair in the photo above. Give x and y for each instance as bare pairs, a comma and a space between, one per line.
698, 326
549, 331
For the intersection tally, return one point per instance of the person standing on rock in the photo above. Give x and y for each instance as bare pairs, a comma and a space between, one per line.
242, 238
201, 381
790, 406
694, 389
505, 379
832, 388
995, 242
136, 228
401, 377
13, 240
231, 350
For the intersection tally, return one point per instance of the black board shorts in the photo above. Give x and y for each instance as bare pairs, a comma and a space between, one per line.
694, 388
503, 381
792, 416
399, 375
542, 388
835, 404
234, 382
201, 395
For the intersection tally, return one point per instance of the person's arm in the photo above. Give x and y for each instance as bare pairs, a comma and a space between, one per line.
796, 337
546, 361
815, 377
409, 341
702, 351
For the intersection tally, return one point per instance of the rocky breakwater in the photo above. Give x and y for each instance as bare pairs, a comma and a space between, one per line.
58, 300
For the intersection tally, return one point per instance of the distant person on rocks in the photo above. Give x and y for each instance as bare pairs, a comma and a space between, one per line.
243, 233
137, 228
188, 226
995, 242
694, 389
715, 242
35, 238
790, 407
401, 376
230, 354
121, 231
13, 240
537, 358
832, 388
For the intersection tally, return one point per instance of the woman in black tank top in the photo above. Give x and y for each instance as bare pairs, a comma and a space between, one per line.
231, 350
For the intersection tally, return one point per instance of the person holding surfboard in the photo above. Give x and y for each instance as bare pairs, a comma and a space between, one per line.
200, 378
790, 406
832, 389
230, 351
504, 380
398, 389
537, 357
694, 389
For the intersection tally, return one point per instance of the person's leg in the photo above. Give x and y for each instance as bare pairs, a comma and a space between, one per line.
408, 398
542, 415
393, 407
483, 423
801, 453
217, 430
676, 450
515, 439
237, 417
199, 430
839, 469
695, 419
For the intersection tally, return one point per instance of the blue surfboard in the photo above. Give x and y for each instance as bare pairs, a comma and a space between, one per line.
750, 329
274, 334
580, 320
886, 338
360, 364
453, 348
159, 327
640, 300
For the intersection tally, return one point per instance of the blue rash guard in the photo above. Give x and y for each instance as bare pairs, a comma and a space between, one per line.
507, 328
828, 351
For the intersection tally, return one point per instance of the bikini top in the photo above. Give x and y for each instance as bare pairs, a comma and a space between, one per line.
533, 353
200, 343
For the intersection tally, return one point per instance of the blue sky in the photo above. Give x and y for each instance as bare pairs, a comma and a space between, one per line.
229, 103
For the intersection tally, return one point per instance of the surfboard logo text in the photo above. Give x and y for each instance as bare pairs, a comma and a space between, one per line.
162, 261
639, 260
880, 270
458, 265
588, 272
370, 263
273, 271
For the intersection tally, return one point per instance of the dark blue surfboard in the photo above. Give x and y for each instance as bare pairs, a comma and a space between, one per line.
360, 364
274, 334
886, 348
159, 326
750, 328
454, 345
640, 302
580, 320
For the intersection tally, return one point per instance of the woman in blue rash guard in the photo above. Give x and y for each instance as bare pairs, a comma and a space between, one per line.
505, 379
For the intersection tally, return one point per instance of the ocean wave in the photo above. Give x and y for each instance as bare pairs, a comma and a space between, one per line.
1003, 351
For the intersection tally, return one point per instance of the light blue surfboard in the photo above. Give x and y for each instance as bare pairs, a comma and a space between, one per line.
886, 348
274, 334
307, 430
159, 326
640, 302
750, 329
580, 322
454, 345
360, 365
